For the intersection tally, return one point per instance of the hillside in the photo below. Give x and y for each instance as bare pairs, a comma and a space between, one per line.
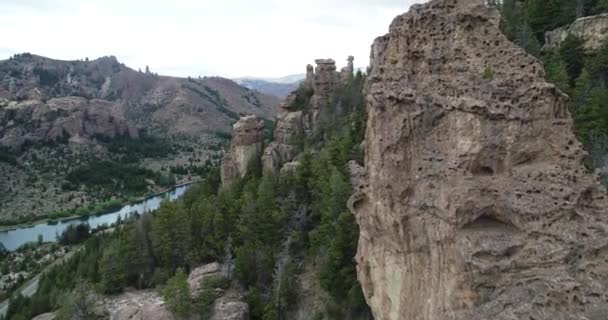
59, 119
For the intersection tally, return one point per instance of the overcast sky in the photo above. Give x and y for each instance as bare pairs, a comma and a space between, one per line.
230, 38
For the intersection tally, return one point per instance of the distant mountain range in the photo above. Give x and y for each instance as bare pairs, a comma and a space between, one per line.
278, 87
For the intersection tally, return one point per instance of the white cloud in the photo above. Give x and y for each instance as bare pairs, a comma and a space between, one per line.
199, 37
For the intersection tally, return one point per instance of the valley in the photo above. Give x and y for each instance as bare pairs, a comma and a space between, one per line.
461, 175
77, 136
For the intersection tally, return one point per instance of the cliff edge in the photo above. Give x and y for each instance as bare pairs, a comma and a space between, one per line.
474, 202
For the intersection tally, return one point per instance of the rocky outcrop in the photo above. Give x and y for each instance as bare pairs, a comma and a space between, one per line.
200, 274
347, 72
474, 202
307, 112
245, 149
227, 309
592, 30
45, 316
136, 305
60, 118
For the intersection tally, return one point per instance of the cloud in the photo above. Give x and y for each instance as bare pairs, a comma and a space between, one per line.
230, 38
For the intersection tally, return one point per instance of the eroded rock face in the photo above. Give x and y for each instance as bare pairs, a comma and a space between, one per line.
321, 109
592, 30
227, 309
136, 305
198, 275
473, 203
246, 147
68, 117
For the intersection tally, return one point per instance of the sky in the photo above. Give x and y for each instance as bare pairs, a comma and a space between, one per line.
228, 38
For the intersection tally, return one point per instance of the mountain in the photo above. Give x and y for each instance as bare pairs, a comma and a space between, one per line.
58, 118
278, 87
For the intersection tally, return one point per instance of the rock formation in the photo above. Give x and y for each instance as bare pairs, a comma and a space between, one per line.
59, 118
306, 112
474, 202
136, 305
347, 72
227, 309
592, 30
245, 149
202, 273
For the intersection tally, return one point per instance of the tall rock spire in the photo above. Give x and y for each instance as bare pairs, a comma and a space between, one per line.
474, 202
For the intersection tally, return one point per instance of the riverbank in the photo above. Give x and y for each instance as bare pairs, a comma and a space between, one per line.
46, 219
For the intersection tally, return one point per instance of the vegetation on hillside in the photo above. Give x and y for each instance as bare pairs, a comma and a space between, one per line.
253, 225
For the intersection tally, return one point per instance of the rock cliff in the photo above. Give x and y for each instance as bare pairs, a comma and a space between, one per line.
307, 112
245, 149
68, 117
473, 202
592, 30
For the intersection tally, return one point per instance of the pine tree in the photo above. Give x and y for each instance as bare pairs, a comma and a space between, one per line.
571, 52
177, 294
556, 71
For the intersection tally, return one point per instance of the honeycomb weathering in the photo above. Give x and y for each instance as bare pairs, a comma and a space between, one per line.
474, 202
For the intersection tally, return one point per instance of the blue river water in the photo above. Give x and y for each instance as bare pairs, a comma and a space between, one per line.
13, 239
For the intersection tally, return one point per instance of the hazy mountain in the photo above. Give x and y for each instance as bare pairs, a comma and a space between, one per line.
278, 87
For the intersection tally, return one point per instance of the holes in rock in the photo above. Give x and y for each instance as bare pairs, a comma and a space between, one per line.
483, 171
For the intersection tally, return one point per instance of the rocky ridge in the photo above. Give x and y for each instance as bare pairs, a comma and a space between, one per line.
593, 30
474, 202
308, 111
176, 105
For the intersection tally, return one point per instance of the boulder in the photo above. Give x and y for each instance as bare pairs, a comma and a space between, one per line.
593, 30
227, 309
474, 202
201, 273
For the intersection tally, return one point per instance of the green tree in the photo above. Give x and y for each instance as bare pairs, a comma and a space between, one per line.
556, 71
177, 294
112, 269
571, 52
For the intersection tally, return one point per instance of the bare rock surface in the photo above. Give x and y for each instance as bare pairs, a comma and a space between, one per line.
201, 273
307, 111
227, 309
474, 202
45, 316
246, 148
593, 30
137, 305
69, 117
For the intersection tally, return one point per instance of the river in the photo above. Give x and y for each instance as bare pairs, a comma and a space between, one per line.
13, 239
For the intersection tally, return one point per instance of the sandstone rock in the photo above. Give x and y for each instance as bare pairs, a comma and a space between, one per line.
474, 203
322, 109
347, 72
226, 309
137, 305
285, 145
201, 273
45, 316
246, 147
593, 30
